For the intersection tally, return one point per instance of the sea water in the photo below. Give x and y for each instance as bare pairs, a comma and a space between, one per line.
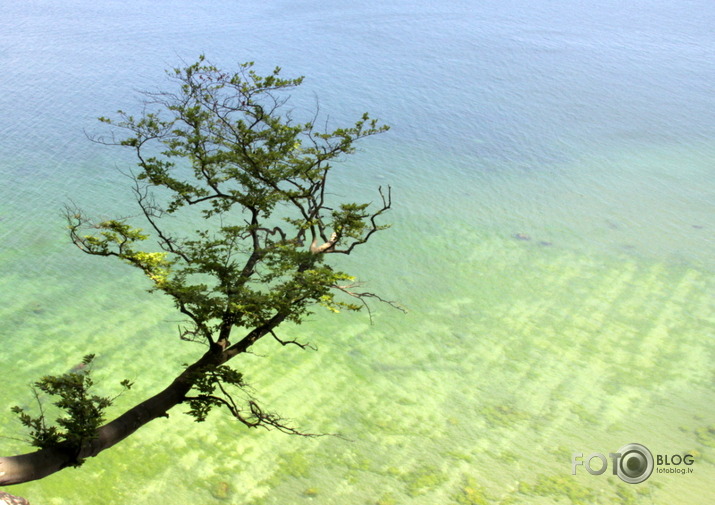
553, 241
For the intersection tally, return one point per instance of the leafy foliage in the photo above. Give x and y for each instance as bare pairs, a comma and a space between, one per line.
222, 150
83, 411
224, 145
207, 382
221, 155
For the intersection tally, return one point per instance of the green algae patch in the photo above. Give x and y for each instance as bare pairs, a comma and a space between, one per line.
387, 499
558, 486
460, 456
561, 452
706, 435
503, 416
423, 479
585, 415
294, 464
471, 493
626, 496
508, 457
311, 492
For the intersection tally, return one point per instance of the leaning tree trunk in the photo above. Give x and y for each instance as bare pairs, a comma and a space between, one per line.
39, 464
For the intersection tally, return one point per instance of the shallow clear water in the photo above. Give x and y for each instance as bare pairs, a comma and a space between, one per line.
587, 128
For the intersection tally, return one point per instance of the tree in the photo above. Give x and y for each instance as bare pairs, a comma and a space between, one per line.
222, 150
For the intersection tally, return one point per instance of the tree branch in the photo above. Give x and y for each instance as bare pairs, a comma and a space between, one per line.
223, 144
362, 296
386, 205
294, 342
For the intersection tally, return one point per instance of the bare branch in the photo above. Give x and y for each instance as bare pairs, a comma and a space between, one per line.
386, 205
362, 296
193, 335
256, 418
294, 342
152, 212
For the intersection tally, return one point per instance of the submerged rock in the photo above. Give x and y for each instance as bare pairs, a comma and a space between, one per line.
311, 492
78, 367
8, 499
221, 490
522, 236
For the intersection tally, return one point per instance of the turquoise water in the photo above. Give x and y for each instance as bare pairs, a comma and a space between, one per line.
587, 128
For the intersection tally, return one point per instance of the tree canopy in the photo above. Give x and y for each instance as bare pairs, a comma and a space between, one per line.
219, 154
